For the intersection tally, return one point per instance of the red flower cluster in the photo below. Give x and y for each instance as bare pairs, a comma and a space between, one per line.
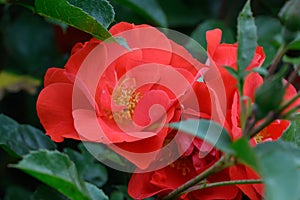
163, 181
124, 101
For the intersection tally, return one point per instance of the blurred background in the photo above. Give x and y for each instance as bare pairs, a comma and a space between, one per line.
30, 44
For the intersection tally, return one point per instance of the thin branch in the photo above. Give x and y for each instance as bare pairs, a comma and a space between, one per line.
277, 59
224, 183
272, 116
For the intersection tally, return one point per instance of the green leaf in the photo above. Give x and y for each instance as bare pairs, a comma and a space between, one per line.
268, 30
95, 193
20, 139
199, 33
269, 95
208, 131
150, 9
261, 71
101, 10
279, 167
56, 170
292, 133
88, 169
92, 17
245, 153
246, 37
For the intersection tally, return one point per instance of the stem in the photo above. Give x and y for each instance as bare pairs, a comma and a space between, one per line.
222, 163
277, 59
294, 75
272, 116
224, 183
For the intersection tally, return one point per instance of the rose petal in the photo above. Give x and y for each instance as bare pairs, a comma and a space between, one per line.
54, 108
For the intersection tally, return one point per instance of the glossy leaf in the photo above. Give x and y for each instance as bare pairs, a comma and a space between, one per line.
279, 167
89, 170
246, 38
56, 170
150, 9
208, 131
92, 17
20, 139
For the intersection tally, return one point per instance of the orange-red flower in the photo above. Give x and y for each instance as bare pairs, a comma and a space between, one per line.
123, 103
190, 164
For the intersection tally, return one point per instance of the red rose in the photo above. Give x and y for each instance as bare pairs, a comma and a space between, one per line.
121, 99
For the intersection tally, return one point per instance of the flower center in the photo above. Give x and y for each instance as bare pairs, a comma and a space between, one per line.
126, 96
258, 138
181, 166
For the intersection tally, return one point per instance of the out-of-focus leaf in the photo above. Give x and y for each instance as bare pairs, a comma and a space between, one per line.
269, 95
150, 9
245, 153
15, 82
279, 167
16, 193
208, 131
29, 45
292, 133
295, 45
47, 193
199, 33
246, 37
92, 17
58, 171
120, 193
268, 30
20, 139
88, 169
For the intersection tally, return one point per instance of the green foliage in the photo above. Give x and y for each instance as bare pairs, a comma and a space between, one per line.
245, 153
269, 37
29, 47
246, 38
58, 171
269, 95
149, 9
87, 17
19, 139
89, 170
208, 131
279, 166
290, 15
292, 133
199, 33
